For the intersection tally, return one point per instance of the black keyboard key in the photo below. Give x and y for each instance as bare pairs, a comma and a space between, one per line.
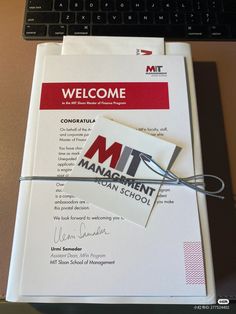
130, 30
108, 5
228, 18
177, 18
57, 30
197, 31
193, 18
76, 5
184, 5
177, 31
91, 5
122, 5
35, 30
154, 5
209, 18
138, 5
233, 31
83, 18
214, 5
229, 5
114, 18
40, 5
162, 18
99, 18
131, 18
68, 17
61, 5
169, 5
146, 18
218, 31
42, 17
80, 30
200, 5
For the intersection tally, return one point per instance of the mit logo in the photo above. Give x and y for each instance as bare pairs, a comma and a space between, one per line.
118, 154
154, 68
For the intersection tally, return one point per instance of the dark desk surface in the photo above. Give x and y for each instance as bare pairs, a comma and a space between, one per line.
16, 69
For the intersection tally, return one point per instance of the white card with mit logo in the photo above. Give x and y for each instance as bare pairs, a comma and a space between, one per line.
115, 151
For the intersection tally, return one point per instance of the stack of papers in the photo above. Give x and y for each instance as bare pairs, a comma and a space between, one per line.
105, 243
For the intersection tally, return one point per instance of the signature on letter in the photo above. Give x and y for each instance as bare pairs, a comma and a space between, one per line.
61, 236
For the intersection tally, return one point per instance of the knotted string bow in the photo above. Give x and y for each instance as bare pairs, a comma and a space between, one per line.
192, 182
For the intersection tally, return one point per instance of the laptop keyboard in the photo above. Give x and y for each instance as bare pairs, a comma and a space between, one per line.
172, 19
